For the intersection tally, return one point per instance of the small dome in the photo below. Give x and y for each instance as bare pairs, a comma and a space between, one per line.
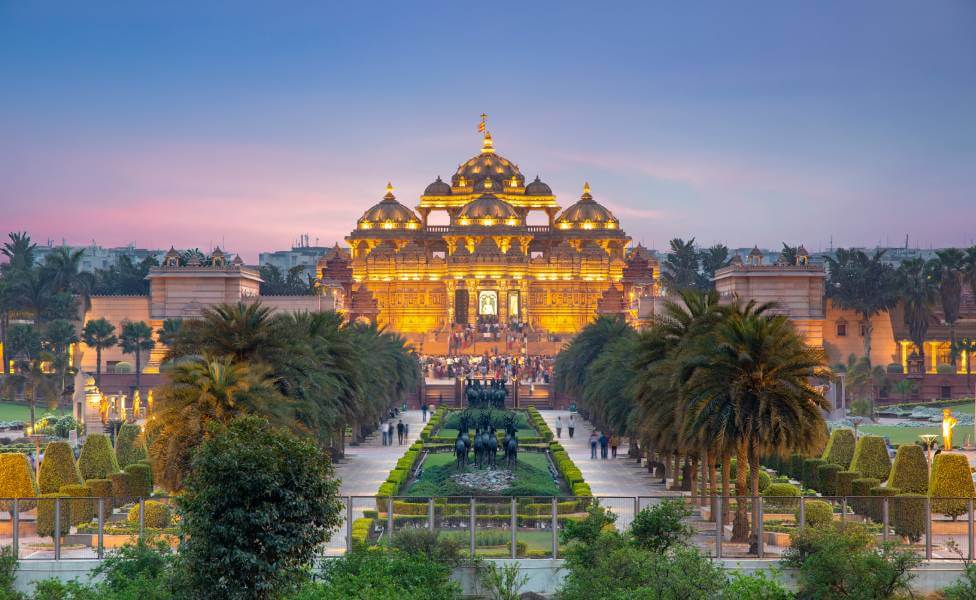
586, 214
488, 210
438, 188
389, 214
538, 188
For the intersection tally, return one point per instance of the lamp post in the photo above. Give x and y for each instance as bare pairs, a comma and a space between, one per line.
927, 440
37, 439
856, 422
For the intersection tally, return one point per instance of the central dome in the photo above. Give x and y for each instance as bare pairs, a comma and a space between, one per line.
488, 165
488, 209
389, 214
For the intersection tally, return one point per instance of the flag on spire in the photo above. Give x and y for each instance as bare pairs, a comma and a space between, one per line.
482, 127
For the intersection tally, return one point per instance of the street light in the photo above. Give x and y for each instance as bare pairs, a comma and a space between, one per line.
37, 439
927, 440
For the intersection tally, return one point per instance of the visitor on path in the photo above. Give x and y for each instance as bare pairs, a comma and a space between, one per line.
406, 431
383, 431
559, 427
604, 442
572, 426
423, 411
400, 433
613, 445
593, 440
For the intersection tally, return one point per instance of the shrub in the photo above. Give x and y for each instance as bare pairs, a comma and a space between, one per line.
951, 484
123, 485
417, 541
756, 586
361, 529
871, 458
661, 527
97, 459
764, 478
158, 514
811, 467
58, 468
82, 509
141, 479
129, 445
101, 488
875, 508
859, 489
910, 471
796, 466
827, 476
46, 507
816, 513
845, 480
906, 512
16, 481
840, 448
781, 504
582, 489
381, 574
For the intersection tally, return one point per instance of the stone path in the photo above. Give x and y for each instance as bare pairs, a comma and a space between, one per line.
367, 465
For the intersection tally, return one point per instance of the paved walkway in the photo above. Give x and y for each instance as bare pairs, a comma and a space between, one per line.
367, 465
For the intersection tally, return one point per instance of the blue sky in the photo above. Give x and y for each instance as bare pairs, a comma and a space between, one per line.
743, 123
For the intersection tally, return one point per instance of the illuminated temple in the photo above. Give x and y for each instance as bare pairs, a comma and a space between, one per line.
488, 264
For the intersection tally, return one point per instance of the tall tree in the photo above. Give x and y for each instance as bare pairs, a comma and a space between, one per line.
918, 291
135, 339
948, 268
15, 274
790, 254
681, 266
59, 336
712, 259
865, 284
99, 334
169, 332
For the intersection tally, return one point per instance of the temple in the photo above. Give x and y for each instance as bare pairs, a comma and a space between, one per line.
488, 265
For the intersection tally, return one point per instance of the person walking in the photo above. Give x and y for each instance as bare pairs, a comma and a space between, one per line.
604, 442
383, 431
593, 441
389, 432
400, 433
572, 426
423, 412
613, 445
559, 427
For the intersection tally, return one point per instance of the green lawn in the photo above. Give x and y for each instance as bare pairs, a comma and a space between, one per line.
532, 477
14, 411
908, 435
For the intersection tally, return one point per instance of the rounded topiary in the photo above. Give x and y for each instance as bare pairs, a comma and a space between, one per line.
951, 484
97, 458
910, 471
82, 508
158, 515
840, 448
129, 445
811, 468
845, 481
142, 479
907, 515
46, 507
861, 490
16, 481
827, 477
57, 468
779, 497
764, 478
816, 513
871, 458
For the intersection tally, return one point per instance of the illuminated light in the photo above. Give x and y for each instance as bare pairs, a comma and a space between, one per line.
387, 278
564, 225
487, 221
464, 221
459, 276
587, 225
388, 225
411, 225
511, 222
611, 225
365, 225
434, 277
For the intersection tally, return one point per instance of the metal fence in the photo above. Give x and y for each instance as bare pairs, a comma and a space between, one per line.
524, 527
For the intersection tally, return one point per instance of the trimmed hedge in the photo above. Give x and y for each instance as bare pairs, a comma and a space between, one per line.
58, 468
816, 513
129, 445
827, 477
45, 515
845, 481
811, 467
158, 515
361, 529
16, 481
876, 507
100, 488
776, 504
907, 514
124, 488
97, 458
910, 471
840, 448
82, 509
860, 488
141, 479
871, 458
951, 484
796, 466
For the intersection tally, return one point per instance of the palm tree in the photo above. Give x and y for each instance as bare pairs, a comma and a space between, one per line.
712, 259
199, 392
59, 336
99, 334
169, 332
14, 273
864, 284
136, 338
680, 269
948, 270
241, 330
918, 291
569, 371
758, 377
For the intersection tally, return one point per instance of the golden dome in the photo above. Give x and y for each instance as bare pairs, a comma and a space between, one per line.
489, 210
389, 214
586, 214
488, 165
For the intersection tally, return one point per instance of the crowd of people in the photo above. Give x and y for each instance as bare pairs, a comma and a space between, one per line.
528, 369
514, 334
388, 429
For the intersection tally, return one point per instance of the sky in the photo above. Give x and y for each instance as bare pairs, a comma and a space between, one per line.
247, 124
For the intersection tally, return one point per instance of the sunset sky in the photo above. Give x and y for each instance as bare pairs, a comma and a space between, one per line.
247, 124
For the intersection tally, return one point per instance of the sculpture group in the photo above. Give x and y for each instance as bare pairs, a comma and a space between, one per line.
484, 442
487, 394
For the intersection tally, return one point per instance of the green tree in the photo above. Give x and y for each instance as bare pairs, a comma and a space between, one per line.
59, 336
169, 332
258, 505
918, 290
948, 269
99, 334
680, 269
712, 259
864, 284
136, 338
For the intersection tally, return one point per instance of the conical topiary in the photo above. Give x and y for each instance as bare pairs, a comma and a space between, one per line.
16, 481
58, 468
951, 484
97, 458
871, 458
910, 471
129, 445
840, 448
